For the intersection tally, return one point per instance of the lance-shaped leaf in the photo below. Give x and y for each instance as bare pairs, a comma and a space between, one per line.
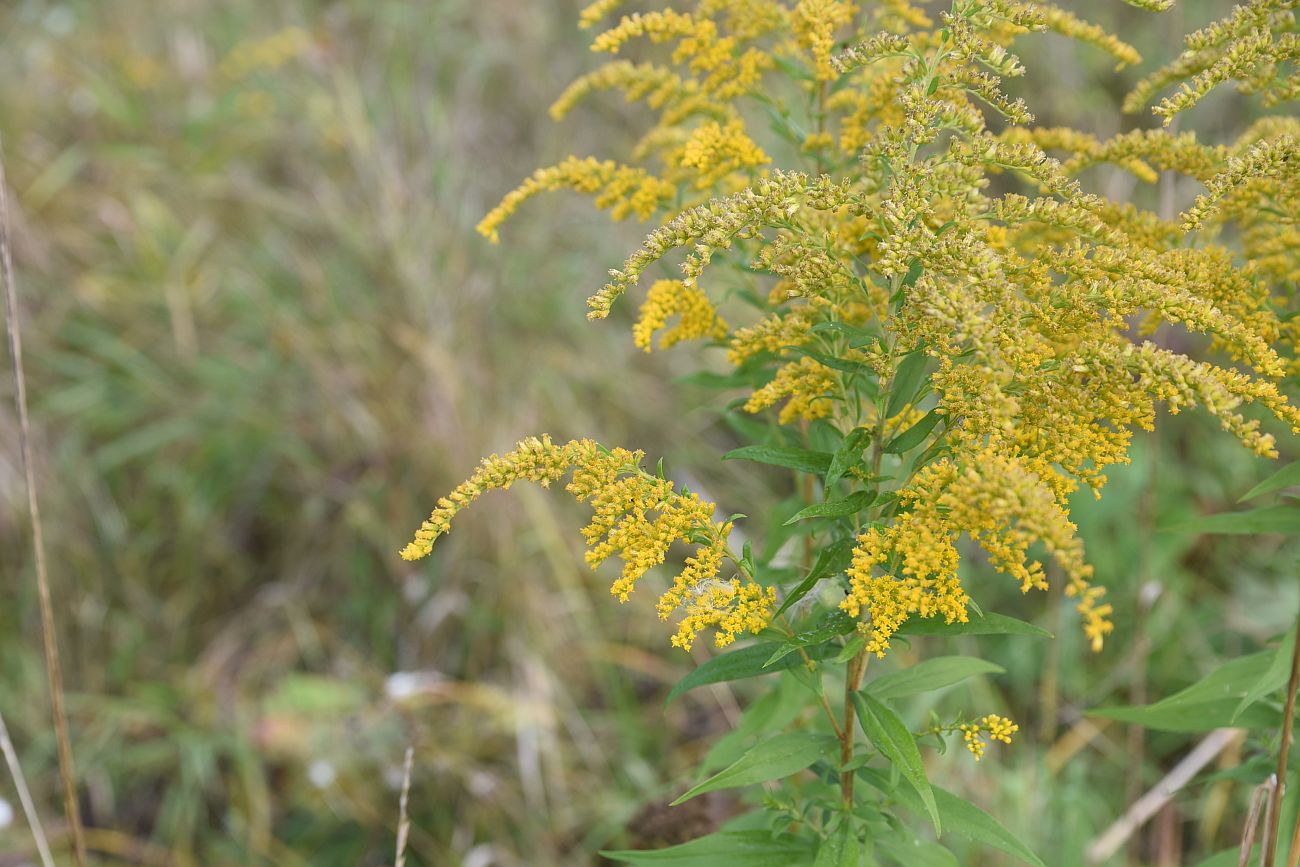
891, 736
773, 759
930, 675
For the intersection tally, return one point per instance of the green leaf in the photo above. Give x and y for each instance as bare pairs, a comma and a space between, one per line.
1273, 677
772, 712
832, 560
978, 624
803, 460
1273, 519
907, 381
963, 818
916, 853
841, 849
733, 665
834, 624
891, 736
773, 759
1226, 858
850, 505
849, 453
1212, 702
929, 675
723, 849
914, 435
1283, 478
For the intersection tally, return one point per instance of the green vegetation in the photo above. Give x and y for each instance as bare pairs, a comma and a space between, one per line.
262, 337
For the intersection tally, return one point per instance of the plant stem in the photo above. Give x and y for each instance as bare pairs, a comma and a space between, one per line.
66, 770
852, 683
1275, 799
1293, 855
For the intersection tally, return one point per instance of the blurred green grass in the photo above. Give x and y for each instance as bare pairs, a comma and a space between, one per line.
263, 338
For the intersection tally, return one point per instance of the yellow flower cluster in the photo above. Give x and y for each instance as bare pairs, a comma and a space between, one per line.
1255, 183
697, 317
995, 500
715, 151
1025, 303
728, 72
622, 189
1254, 44
637, 518
815, 23
999, 728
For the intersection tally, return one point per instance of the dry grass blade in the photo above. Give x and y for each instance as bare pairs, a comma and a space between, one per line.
14, 332
24, 795
1262, 791
1141, 811
404, 820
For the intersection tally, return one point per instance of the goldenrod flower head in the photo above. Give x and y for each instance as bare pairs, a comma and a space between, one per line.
815, 23
998, 728
637, 517
622, 189
715, 151
697, 317
592, 13
1027, 300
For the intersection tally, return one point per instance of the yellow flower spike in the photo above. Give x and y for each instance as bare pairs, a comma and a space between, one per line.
1030, 305
715, 151
815, 23
623, 190
636, 517
998, 728
697, 317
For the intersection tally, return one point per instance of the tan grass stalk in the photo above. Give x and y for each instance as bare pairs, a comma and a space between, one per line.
66, 769
25, 795
1262, 791
404, 820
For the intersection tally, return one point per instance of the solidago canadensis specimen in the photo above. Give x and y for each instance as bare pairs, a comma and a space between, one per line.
948, 332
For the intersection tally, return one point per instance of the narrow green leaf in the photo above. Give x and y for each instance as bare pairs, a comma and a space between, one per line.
850, 505
840, 849
1225, 858
907, 381
931, 674
1286, 477
978, 624
848, 454
733, 665
723, 849
833, 625
832, 560
1210, 703
891, 736
1273, 519
963, 818
803, 460
916, 854
914, 435
1273, 677
773, 759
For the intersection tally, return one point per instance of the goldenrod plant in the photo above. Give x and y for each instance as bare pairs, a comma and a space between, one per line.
935, 326
1252, 200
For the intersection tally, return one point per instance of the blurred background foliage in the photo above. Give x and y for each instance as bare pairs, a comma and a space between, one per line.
262, 337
